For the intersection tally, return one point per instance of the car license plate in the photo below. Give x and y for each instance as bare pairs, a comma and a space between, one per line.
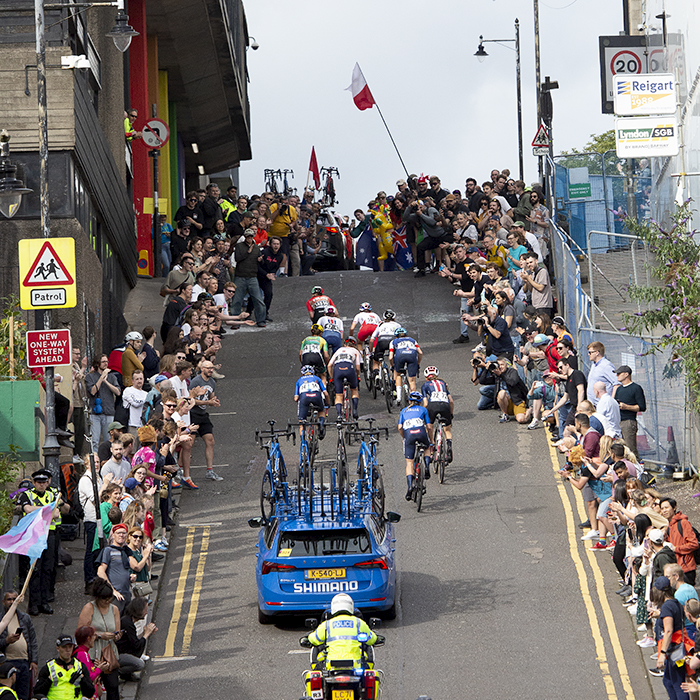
343, 695
324, 574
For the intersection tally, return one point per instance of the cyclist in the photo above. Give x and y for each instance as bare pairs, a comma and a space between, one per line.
367, 320
310, 392
314, 351
317, 304
414, 426
404, 351
345, 364
437, 399
382, 337
332, 329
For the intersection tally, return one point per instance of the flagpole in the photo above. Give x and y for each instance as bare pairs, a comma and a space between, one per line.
29, 575
390, 136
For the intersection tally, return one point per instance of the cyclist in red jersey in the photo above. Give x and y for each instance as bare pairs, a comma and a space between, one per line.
367, 322
317, 304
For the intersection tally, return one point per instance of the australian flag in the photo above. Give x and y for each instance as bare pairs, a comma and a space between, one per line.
402, 251
366, 251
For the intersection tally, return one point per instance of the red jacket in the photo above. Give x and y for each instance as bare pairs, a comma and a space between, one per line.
684, 545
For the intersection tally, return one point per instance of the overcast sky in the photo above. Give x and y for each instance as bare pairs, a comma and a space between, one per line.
449, 114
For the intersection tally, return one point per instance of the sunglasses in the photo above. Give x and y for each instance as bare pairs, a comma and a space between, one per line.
170, 405
192, 199
136, 537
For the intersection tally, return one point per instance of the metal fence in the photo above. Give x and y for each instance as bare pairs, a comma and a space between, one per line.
666, 434
591, 190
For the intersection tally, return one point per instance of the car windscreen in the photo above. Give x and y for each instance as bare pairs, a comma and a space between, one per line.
324, 542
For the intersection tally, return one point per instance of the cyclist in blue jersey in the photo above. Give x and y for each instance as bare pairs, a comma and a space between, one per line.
345, 364
437, 399
414, 426
404, 351
310, 392
332, 329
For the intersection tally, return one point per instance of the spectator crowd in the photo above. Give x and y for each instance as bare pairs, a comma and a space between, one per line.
146, 408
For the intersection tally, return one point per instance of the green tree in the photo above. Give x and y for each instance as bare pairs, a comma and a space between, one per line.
11, 323
674, 302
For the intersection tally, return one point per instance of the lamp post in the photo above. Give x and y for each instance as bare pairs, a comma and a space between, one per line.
121, 34
11, 189
481, 55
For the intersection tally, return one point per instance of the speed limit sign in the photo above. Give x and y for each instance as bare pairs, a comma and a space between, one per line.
620, 55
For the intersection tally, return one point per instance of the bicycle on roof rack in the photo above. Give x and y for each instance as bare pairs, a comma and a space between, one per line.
271, 177
370, 484
274, 484
328, 199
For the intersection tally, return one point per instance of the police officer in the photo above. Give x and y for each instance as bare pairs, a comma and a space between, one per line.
8, 674
343, 633
64, 678
43, 581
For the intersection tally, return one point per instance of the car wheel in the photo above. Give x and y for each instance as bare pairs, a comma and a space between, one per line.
264, 619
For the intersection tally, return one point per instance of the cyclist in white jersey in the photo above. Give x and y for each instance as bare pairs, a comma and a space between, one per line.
345, 364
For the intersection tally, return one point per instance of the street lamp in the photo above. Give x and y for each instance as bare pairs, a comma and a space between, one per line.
11, 189
122, 32
481, 55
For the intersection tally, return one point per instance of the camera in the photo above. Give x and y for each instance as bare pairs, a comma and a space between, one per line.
484, 308
476, 362
491, 366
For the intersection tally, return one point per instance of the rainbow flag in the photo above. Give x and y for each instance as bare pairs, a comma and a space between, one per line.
29, 536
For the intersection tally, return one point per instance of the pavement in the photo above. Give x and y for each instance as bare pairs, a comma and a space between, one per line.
497, 595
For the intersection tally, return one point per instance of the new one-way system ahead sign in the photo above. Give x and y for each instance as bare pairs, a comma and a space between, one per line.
47, 273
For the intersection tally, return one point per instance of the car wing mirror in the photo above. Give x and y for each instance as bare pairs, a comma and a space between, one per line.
255, 522
392, 517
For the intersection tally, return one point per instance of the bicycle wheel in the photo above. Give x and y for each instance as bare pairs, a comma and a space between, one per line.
279, 469
378, 494
313, 440
438, 443
405, 391
267, 497
347, 404
367, 368
303, 477
418, 478
442, 464
387, 388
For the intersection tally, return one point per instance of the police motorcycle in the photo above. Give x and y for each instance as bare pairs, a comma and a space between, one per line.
338, 679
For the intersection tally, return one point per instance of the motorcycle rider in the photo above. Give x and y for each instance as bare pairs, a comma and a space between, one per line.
343, 633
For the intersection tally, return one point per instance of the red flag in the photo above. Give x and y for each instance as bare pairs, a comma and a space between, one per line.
313, 169
360, 90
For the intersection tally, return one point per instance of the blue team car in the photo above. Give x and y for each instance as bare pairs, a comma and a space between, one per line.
321, 535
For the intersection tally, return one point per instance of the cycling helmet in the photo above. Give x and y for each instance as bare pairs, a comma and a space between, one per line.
331, 310
366, 306
307, 369
415, 396
389, 315
350, 340
342, 603
316, 329
134, 335
400, 331
431, 371
317, 290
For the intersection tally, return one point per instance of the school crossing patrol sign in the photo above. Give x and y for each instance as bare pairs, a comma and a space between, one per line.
47, 273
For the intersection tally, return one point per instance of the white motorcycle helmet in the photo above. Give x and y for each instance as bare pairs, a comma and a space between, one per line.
342, 603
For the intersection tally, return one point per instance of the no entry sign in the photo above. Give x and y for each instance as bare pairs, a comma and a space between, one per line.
48, 348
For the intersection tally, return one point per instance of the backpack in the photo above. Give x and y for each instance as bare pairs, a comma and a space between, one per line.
696, 553
149, 408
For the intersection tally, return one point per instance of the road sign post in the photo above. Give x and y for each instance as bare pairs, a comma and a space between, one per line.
155, 135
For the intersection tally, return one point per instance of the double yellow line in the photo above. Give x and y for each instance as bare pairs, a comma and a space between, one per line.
180, 593
613, 636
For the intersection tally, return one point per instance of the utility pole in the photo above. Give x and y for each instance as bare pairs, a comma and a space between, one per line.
51, 449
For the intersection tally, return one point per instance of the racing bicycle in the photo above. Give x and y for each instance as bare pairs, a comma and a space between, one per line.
342, 472
367, 365
384, 383
439, 448
274, 483
419, 474
369, 476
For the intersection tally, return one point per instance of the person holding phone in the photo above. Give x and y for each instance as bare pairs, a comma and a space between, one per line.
19, 644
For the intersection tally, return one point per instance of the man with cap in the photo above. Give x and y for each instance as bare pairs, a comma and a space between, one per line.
64, 678
43, 580
630, 396
247, 255
484, 378
519, 227
237, 229
8, 678
19, 645
114, 567
542, 393
115, 430
183, 274
658, 556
